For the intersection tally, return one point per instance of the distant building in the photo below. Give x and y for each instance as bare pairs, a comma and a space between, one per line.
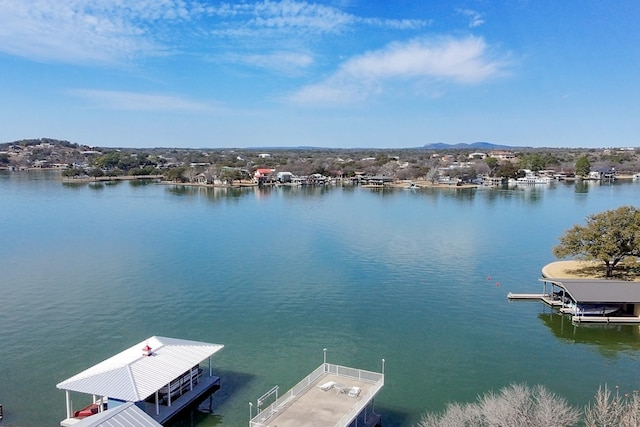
502, 155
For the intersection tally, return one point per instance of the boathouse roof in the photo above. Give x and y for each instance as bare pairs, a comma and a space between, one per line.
127, 415
599, 291
139, 371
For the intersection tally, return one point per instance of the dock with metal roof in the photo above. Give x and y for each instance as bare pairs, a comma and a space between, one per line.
331, 396
590, 291
161, 375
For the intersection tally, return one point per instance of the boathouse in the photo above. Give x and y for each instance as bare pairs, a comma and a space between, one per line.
127, 415
330, 396
161, 376
567, 294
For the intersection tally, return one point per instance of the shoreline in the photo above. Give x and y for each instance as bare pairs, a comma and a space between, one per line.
576, 269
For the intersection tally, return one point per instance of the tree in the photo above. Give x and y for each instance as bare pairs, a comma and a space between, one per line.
95, 173
175, 174
583, 166
609, 236
506, 170
514, 406
613, 410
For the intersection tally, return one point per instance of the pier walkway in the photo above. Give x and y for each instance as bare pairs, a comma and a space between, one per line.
331, 396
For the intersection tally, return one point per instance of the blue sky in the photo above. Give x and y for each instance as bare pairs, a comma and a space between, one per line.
343, 73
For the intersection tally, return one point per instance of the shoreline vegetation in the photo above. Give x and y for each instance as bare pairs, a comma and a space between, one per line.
444, 166
250, 183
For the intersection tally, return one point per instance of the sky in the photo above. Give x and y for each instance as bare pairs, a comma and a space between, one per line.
332, 73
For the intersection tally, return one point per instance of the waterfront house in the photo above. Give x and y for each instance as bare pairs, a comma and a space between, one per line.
160, 375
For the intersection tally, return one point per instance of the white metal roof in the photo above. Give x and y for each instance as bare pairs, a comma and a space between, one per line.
132, 377
126, 415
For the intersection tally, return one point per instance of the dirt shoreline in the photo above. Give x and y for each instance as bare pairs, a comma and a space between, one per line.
574, 269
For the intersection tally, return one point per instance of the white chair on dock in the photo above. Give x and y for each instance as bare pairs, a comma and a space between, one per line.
327, 386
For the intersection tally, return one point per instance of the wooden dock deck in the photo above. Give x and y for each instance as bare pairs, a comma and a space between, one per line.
545, 298
629, 320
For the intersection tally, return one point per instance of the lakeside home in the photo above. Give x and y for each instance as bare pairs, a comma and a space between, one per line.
161, 376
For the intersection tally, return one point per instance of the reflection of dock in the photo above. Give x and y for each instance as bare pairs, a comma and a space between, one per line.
331, 396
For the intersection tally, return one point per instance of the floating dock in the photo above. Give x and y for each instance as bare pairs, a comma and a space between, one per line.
331, 396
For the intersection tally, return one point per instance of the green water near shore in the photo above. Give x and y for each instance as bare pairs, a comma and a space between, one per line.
418, 278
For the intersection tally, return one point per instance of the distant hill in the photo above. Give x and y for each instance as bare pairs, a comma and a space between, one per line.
472, 146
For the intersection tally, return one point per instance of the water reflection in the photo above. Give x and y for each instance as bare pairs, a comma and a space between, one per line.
609, 339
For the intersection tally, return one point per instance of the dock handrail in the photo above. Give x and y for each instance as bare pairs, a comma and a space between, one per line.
325, 368
359, 405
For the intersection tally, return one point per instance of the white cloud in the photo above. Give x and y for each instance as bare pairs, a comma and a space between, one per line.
135, 101
287, 62
421, 61
120, 31
475, 18
83, 31
297, 17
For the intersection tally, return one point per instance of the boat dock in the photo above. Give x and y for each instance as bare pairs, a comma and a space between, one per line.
590, 292
162, 376
331, 396
545, 298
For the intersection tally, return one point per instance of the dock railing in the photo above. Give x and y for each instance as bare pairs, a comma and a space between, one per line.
326, 368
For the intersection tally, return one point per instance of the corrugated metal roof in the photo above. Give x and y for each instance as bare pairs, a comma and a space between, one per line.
600, 291
132, 377
126, 415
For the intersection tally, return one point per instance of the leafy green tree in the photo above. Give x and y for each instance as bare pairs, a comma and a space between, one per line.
175, 174
609, 236
506, 170
73, 172
492, 162
4, 159
95, 173
583, 166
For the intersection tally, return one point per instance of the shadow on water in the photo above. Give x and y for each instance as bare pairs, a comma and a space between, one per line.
97, 186
211, 193
211, 408
392, 417
608, 339
137, 182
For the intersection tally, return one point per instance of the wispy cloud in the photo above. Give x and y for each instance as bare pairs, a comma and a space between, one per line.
298, 17
421, 61
116, 32
135, 101
82, 31
475, 18
289, 63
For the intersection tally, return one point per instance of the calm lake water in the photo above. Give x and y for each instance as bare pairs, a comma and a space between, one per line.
417, 277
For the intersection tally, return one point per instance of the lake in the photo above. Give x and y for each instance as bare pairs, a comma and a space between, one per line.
417, 277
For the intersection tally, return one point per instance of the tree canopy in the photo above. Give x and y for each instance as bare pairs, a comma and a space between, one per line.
609, 236
583, 166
